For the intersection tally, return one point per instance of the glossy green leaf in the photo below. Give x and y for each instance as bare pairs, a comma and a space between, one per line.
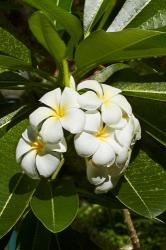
69, 22
11, 46
7, 62
46, 34
16, 189
152, 17
103, 47
8, 120
65, 4
55, 204
127, 13
93, 11
143, 188
33, 235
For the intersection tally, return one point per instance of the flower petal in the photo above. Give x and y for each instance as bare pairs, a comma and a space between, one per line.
96, 175
60, 146
104, 155
110, 91
85, 144
22, 148
89, 101
52, 98
125, 135
111, 114
30, 134
122, 157
28, 164
47, 164
137, 130
73, 120
39, 115
119, 125
51, 130
69, 98
93, 121
122, 102
107, 185
90, 84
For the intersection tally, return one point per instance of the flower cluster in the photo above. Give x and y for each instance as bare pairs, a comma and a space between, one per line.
105, 131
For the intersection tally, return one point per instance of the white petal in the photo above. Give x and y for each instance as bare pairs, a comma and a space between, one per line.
122, 102
22, 148
47, 164
69, 98
107, 185
96, 175
28, 164
104, 155
111, 114
72, 83
85, 144
73, 120
125, 135
110, 91
114, 144
60, 146
39, 115
119, 125
30, 134
51, 130
90, 84
52, 98
89, 101
122, 157
93, 121
137, 130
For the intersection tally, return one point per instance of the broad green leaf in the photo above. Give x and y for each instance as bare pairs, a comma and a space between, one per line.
8, 120
103, 47
143, 188
11, 46
69, 22
107, 72
65, 4
7, 62
16, 189
149, 90
46, 34
93, 10
33, 235
152, 17
55, 204
128, 12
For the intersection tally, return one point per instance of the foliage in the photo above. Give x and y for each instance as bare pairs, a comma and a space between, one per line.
127, 53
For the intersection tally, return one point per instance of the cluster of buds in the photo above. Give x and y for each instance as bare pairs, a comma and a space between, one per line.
103, 124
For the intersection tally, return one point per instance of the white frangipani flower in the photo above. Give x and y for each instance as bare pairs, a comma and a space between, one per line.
99, 142
37, 157
61, 110
106, 177
114, 106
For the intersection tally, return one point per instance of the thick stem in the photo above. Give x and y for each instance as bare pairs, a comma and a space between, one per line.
132, 232
66, 74
53, 177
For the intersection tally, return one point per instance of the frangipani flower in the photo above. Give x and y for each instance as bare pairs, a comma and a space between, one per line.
114, 106
61, 110
99, 142
37, 157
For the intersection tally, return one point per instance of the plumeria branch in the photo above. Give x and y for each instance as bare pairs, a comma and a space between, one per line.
58, 169
132, 232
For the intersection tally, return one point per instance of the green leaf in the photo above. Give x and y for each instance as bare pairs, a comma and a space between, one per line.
11, 46
10, 79
103, 47
12, 63
69, 22
55, 204
46, 34
33, 235
143, 188
16, 189
8, 120
65, 4
127, 13
152, 17
93, 11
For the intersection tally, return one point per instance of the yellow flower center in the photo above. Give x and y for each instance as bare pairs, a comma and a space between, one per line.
59, 112
102, 133
105, 99
38, 145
